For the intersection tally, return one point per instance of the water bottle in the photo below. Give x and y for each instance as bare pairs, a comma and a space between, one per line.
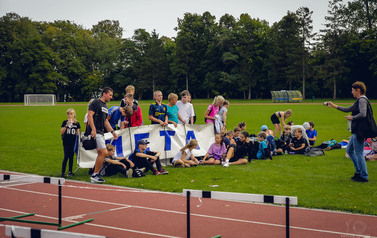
70, 122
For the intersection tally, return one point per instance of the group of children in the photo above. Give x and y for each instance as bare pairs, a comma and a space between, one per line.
129, 114
230, 147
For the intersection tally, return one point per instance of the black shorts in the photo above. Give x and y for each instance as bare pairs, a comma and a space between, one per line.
275, 119
236, 158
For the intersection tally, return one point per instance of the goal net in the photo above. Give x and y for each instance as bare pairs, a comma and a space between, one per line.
39, 100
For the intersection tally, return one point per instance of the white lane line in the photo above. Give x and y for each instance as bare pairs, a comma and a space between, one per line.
12, 184
81, 216
97, 225
199, 215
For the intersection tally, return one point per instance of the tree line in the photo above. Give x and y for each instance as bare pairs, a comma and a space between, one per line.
240, 57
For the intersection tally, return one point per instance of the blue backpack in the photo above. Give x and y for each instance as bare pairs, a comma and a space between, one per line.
271, 143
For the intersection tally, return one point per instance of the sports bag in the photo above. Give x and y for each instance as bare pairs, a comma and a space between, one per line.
88, 142
312, 151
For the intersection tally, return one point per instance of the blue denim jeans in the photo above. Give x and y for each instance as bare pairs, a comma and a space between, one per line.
355, 150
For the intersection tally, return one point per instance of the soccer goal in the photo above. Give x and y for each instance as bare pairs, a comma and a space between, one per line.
39, 100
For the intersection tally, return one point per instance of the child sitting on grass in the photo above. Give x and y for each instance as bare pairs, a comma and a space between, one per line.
146, 159
238, 150
216, 152
311, 133
227, 138
184, 157
113, 165
263, 150
271, 141
298, 143
236, 134
242, 126
282, 144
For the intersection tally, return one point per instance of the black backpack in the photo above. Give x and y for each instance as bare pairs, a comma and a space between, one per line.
208, 113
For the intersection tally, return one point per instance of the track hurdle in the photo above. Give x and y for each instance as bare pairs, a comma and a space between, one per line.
27, 232
40, 179
239, 197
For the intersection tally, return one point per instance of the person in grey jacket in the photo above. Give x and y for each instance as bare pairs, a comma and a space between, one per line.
355, 146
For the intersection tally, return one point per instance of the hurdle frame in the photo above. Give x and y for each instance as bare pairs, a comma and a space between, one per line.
41, 179
240, 197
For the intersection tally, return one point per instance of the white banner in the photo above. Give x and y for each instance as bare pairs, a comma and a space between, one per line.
167, 140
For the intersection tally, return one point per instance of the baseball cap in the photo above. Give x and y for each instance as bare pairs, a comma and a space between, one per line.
142, 142
264, 128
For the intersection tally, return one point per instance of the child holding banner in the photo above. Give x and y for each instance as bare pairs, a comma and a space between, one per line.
185, 158
158, 110
172, 111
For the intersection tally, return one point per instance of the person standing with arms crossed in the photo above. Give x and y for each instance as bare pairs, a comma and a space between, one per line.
97, 120
355, 146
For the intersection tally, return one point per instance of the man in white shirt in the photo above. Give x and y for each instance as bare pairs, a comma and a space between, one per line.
185, 109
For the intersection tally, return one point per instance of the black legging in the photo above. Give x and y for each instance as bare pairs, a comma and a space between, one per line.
117, 168
144, 162
68, 156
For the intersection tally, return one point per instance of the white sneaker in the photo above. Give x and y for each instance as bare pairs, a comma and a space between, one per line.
142, 169
129, 173
97, 179
226, 164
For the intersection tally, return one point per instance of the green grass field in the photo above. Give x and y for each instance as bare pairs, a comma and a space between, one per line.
30, 142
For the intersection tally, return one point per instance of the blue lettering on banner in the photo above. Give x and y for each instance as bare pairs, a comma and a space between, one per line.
118, 146
140, 137
191, 135
167, 135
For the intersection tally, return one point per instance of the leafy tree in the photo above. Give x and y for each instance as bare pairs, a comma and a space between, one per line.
156, 66
285, 52
306, 28
26, 61
251, 35
69, 43
361, 15
110, 27
195, 32
106, 52
333, 40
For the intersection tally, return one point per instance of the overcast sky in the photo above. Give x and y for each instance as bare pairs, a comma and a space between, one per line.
161, 15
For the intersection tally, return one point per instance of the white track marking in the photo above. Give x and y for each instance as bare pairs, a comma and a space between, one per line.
199, 215
97, 225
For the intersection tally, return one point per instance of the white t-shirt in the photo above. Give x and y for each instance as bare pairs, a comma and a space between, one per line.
86, 118
179, 155
185, 110
221, 113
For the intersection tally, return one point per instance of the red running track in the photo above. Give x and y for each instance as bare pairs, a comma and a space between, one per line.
125, 212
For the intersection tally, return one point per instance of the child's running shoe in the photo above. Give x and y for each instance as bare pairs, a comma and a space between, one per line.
97, 179
163, 171
129, 173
